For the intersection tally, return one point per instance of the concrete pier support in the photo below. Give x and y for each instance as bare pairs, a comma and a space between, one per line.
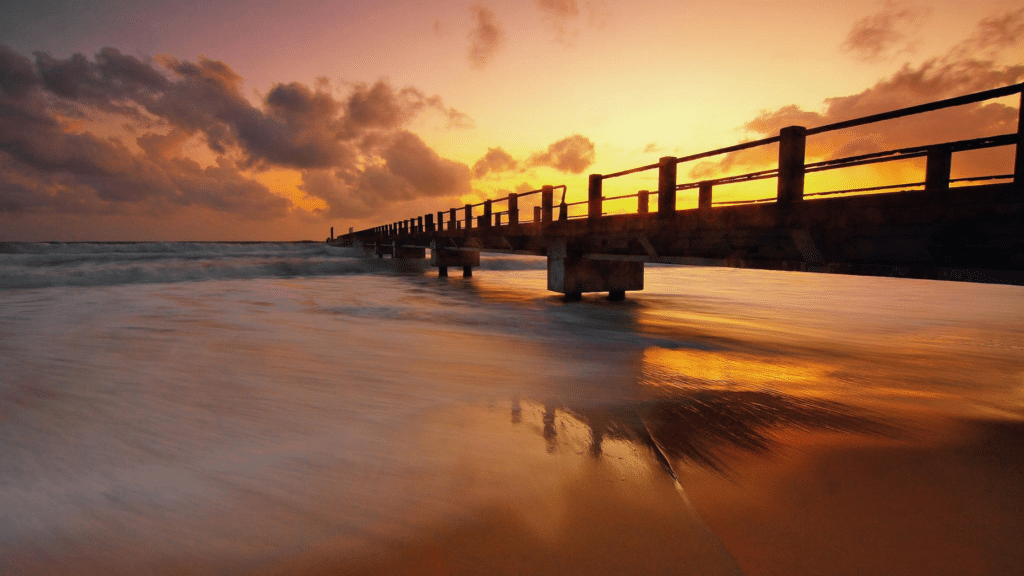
572, 275
443, 258
409, 252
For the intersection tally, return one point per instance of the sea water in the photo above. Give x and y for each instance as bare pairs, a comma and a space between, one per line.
297, 408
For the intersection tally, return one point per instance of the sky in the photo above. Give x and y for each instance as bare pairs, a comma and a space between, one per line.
257, 120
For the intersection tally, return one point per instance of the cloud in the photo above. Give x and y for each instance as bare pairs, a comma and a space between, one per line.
954, 74
993, 34
496, 160
52, 157
406, 169
562, 14
877, 37
573, 154
560, 10
486, 37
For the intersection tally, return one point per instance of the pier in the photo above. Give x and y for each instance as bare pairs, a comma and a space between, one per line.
960, 229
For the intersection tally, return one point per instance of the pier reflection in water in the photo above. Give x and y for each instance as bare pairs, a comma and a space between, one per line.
698, 425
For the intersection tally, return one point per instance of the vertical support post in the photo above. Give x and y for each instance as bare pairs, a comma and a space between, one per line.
643, 202
332, 232
429, 221
704, 196
452, 219
469, 217
1018, 165
467, 271
487, 213
497, 218
513, 209
936, 171
440, 221
666, 186
442, 271
547, 203
792, 142
536, 214
419, 224
594, 198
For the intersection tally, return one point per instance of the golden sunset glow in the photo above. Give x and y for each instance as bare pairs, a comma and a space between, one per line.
279, 121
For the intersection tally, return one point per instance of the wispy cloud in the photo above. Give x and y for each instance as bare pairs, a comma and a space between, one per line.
486, 37
882, 35
955, 73
562, 14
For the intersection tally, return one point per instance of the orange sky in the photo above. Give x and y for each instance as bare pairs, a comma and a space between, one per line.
267, 120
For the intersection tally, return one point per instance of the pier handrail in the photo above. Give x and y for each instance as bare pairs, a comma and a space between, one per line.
790, 171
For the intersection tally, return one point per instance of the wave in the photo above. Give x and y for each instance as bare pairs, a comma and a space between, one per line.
50, 264
43, 265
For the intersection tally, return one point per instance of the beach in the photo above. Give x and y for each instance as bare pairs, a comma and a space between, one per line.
276, 408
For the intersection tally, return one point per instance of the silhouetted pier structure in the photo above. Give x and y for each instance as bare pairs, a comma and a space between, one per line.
971, 231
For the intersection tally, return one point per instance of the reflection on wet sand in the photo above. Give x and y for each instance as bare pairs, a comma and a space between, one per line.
696, 424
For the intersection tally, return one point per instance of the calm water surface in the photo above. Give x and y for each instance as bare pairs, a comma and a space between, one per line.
292, 409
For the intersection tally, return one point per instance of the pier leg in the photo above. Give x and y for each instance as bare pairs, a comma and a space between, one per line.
572, 274
445, 258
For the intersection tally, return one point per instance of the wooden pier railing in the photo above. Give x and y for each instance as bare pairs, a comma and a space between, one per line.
499, 226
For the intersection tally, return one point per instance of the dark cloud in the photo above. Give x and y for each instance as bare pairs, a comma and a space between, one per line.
880, 36
952, 75
428, 174
406, 169
496, 160
573, 154
52, 160
486, 37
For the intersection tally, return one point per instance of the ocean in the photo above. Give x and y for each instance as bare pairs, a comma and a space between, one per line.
294, 408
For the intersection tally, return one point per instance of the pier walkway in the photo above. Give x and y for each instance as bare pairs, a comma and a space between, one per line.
963, 229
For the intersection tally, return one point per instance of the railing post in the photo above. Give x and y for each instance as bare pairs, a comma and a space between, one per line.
643, 202
594, 197
429, 221
547, 203
1018, 165
513, 209
936, 171
792, 142
452, 219
497, 218
419, 225
440, 221
536, 214
487, 213
704, 196
469, 217
666, 186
